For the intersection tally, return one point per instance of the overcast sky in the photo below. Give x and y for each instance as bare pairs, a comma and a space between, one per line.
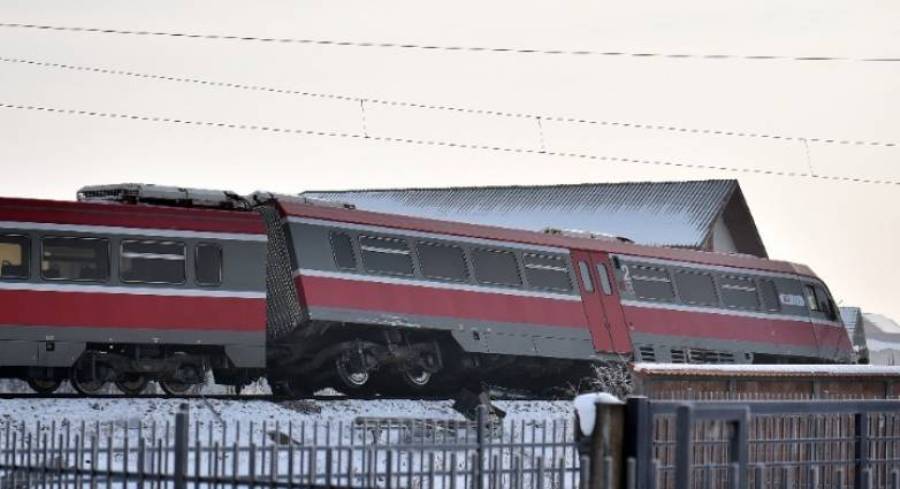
848, 232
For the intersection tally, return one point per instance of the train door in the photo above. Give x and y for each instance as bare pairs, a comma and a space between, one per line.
601, 302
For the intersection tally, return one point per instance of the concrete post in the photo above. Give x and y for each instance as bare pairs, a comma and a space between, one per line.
601, 436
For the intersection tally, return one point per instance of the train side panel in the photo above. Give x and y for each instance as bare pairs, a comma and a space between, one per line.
681, 312
484, 318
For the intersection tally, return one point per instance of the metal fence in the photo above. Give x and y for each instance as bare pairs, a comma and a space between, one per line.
763, 444
364, 453
644, 444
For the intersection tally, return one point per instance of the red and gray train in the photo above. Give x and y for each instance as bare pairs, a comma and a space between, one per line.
139, 283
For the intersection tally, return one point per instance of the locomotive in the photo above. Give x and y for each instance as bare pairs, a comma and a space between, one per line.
135, 283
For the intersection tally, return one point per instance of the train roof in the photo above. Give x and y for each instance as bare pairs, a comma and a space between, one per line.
147, 216
141, 216
297, 208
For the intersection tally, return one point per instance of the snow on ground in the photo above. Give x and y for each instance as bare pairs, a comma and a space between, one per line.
161, 410
306, 422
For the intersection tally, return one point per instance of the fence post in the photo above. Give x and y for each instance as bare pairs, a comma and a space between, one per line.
683, 445
639, 439
601, 432
861, 426
181, 447
480, 438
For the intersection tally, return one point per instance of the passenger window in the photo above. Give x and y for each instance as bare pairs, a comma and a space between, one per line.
769, 294
696, 288
13, 257
208, 266
80, 259
442, 262
386, 255
652, 283
739, 292
496, 267
586, 276
152, 262
604, 279
342, 250
547, 272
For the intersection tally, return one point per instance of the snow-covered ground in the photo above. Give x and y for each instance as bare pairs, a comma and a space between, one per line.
130, 411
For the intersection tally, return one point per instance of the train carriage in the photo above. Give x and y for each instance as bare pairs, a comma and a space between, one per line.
94, 292
551, 301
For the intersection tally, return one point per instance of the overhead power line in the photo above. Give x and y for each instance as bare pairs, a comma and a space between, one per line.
467, 110
437, 47
438, 143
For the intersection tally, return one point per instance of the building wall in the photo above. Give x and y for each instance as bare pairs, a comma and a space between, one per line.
722, 240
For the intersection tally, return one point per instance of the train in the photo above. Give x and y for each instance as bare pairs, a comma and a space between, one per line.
136, 283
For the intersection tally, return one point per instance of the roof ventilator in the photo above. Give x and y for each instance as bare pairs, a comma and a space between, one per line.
140, 193
263, 197
578, 233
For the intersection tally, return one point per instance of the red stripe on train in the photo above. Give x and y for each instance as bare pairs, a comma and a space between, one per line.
102, 310
700, 325
430, 301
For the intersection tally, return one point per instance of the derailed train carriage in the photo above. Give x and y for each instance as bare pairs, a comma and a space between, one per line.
135, 283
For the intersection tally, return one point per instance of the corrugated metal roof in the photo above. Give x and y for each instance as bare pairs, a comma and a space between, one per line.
654, 213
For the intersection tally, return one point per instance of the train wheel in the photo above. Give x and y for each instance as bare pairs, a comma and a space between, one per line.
187, 378
132, 384
175, 388
350, 377
89, 381
44, 386
417, 379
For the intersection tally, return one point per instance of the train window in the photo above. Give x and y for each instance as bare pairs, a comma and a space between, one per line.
826, 305
152, 262
739, 292
496, 267
342, 250
208, 264
13, 257
651, 283
586, 276
696, 288
547, 272
604, 279
80, 259
386, 255
442, 262
811, 301
769, 295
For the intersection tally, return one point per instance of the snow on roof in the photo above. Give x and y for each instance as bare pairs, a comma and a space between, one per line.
882, 323
652, 213
754, 370
882, 333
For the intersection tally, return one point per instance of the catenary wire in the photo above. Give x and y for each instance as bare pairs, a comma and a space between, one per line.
440, 143
467, 110
436, 47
